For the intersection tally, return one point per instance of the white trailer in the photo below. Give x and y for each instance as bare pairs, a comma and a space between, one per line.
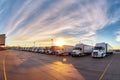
102, 49
82, 49
64, 50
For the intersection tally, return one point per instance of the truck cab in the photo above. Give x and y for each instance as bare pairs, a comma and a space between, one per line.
77, 51
99, 51
102, 49
59, 52
82, 49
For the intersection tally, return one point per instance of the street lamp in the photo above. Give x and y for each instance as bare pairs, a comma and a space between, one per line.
52, 42
34, 43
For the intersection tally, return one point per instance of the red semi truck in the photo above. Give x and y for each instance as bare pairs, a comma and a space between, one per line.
2, 41
2, 48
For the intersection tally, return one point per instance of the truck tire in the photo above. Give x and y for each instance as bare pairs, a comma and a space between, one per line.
56, 54
73, 55
69, 54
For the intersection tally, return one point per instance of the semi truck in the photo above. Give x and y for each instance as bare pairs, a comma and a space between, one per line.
50, 50
82, 49
47, 50
2, 42
64, 50
2, 48
102, 49
2, 39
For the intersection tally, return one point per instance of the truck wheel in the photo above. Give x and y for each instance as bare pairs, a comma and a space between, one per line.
111, 52
69, 53
56, 53
80, 54
73, 55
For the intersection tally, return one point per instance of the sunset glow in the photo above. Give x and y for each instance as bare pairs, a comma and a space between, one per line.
29, 21
60, 42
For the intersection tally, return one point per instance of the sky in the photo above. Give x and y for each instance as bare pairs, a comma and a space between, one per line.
29, 22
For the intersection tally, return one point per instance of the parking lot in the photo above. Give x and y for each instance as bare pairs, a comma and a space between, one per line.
21, 65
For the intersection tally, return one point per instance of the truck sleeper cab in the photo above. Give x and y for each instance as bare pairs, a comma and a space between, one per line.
82, 49
99, 52
77, 51
64, 50
102, 50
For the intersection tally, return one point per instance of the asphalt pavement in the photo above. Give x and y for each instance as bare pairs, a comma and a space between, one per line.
20, 65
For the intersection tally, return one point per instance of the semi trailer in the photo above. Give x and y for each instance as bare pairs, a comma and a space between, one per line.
82, 49
102, 49
64, 50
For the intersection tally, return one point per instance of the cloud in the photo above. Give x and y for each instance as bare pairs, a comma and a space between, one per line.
45, 19
19, 17
113, 11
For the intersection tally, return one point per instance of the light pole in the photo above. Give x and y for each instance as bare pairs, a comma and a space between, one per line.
51, 42
34, 44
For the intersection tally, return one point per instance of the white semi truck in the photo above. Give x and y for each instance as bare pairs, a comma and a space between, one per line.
64, 50
82, 49
102, 49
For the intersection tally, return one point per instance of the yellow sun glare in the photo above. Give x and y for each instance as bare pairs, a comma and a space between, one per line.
60, 42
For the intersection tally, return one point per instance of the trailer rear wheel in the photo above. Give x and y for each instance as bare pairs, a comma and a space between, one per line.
69, 53
73, 55
56, 54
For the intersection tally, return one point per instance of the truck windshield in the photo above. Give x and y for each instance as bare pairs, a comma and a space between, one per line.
98, 48
77, 48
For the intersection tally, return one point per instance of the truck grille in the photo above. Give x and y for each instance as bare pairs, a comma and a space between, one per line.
73, 52
95, 53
